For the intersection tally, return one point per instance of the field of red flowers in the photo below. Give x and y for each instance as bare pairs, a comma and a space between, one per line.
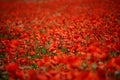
60, 40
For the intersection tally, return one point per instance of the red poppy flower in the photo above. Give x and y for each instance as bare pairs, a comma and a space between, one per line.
32, 53
12, 67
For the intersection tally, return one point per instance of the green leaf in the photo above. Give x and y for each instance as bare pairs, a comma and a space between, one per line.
34, 66
24, 55
4, 75
117, 75
4, 36
35, 56
44, 50
43, 31
87, 38
47, 44
1, 56
64, 50
113, 53
83, 66
37, 50
94, 66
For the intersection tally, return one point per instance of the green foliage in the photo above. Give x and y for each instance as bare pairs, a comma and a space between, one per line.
113, 54
117, 75
37, 50
35, 56
64, 50
4, 75
83, 66
34, 66
4, 36
42, 31
44, 51
2, 56
87, 38
94, 66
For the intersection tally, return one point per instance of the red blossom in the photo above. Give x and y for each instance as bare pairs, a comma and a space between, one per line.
60, 39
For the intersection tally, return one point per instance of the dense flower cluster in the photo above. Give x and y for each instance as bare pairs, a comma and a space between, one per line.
60, 40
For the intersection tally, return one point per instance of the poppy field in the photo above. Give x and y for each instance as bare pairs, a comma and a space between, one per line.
60, 40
